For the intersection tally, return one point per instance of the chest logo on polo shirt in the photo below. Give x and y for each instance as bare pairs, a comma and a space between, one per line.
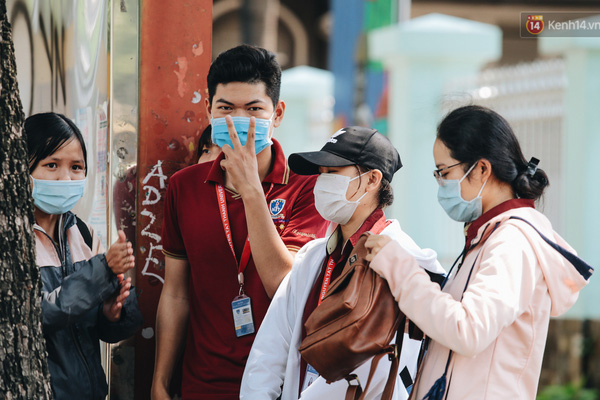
276, 206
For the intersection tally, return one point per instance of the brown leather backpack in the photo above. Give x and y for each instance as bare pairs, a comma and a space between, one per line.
357, 320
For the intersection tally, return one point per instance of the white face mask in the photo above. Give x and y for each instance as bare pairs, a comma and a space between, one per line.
330, 197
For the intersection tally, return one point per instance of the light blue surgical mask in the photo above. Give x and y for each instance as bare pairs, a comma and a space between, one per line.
455, 206
57, 197
220, 134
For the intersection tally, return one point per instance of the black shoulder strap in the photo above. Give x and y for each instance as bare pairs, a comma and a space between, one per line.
584, 269
85, 232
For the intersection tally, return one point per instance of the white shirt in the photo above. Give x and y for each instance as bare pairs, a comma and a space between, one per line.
273, 367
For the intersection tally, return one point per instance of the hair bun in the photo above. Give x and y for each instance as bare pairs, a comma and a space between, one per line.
530, 183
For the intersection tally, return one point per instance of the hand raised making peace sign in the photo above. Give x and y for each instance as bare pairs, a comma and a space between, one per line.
240, 162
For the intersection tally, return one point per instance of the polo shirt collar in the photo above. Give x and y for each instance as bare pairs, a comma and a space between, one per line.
369, 223
280, 171
472, 229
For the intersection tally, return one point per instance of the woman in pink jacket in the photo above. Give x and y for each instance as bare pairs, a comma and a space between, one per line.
488, 323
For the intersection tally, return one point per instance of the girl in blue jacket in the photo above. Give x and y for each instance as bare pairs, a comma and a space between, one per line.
84, 294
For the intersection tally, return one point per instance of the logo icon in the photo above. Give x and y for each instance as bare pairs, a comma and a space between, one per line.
535, 24
276, 206
338, 133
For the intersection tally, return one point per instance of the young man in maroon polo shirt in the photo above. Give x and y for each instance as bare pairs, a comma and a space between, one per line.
231, 229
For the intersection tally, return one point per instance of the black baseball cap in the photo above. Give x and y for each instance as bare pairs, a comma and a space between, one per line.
354, 145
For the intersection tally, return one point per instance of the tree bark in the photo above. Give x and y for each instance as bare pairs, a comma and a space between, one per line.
23, 366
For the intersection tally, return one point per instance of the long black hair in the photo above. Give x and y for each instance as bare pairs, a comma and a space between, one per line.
46, 133
474, 132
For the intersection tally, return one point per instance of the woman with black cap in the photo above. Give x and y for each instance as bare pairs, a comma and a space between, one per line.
488, 325
355, 168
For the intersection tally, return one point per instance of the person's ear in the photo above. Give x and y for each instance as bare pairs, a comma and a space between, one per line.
208, 107
279, 111
485, 169
375, 177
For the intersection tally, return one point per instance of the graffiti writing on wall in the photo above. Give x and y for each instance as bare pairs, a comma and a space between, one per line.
59, 50
155, 178
51, 33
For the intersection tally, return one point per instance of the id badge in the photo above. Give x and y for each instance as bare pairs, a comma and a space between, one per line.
310, 377
242, 315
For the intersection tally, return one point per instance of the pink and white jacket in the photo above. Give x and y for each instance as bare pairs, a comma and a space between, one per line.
497, 332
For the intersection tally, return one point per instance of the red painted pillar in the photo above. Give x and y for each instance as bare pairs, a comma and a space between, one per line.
175, 58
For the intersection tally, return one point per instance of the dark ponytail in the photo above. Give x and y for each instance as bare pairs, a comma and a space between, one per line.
474, 132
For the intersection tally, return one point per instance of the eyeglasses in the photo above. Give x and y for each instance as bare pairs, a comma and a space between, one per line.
438, 173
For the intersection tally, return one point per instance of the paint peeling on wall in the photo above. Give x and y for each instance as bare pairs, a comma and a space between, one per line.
189, 116
197, 97
198, 49
182, 64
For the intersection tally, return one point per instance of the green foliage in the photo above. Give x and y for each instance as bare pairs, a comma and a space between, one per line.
571, 391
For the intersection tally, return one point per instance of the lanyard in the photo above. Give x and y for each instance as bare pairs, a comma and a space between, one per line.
326, 279
246, 252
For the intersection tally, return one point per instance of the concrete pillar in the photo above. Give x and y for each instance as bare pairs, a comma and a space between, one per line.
581, 148
421, 55
308, 121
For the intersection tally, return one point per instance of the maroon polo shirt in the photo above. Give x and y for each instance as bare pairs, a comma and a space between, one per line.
214, 357
339, 255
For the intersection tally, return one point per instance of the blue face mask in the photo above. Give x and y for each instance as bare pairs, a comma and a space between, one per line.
56, 197
220, 134
455, 206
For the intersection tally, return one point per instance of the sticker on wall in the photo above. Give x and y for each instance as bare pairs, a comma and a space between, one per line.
98, 215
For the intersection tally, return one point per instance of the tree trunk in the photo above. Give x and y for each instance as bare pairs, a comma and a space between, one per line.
23, 366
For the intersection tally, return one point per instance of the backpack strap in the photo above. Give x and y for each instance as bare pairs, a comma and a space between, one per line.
388, 390
355, 392
584, 269
85, 232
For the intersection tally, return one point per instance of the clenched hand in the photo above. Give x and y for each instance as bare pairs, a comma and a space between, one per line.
119, 256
